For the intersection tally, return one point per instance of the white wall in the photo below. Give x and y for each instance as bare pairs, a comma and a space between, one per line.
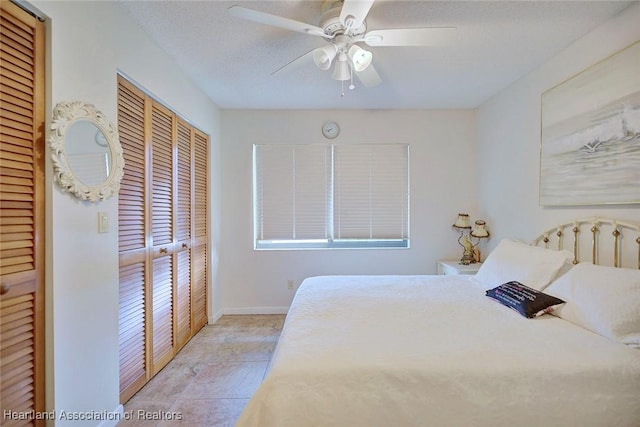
442, 172
509, 138
88, 42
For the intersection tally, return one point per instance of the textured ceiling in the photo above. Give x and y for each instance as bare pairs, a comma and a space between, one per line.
232, 60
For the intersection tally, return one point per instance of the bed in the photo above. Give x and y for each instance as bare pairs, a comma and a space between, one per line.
437, 351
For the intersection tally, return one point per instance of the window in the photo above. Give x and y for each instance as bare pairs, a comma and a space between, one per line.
331, 196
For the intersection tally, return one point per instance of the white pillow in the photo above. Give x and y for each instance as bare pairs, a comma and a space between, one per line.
605, 300
532, 266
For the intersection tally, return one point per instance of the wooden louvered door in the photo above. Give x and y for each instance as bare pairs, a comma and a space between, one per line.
183, 234
199, 247
162, 235
162, 248
21, 214
132, 223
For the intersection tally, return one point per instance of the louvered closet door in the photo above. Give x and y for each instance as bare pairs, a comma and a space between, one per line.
162, 136
183, 234
162, 235
199, 219
132, 241
21, 213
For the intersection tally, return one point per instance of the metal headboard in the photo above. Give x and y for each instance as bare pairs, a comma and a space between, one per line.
595, 225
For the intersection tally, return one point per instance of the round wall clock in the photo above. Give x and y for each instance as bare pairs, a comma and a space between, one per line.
330, 129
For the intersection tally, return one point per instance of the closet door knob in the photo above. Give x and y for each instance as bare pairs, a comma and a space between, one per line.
4, 289
184, 245
164, 250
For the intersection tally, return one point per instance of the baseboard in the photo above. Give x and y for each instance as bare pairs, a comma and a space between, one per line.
214, 318
113, 418
256, 310
246, 310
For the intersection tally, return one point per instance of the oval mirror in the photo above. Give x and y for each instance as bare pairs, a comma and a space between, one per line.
86, 152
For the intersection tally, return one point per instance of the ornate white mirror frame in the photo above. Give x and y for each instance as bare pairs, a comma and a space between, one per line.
94, 173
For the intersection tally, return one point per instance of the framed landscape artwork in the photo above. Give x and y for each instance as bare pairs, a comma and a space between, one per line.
590, 135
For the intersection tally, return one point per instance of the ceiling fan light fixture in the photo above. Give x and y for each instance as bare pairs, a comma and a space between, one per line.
343, 24
341, 71
323, 56
360, 58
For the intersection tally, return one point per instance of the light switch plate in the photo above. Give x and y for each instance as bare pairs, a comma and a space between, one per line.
103, 222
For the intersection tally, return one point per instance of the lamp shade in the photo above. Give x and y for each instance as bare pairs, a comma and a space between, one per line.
480, 231
360, 58
463, 221
323, 56
341, 70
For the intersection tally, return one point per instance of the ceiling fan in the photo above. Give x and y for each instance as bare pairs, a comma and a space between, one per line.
343, 25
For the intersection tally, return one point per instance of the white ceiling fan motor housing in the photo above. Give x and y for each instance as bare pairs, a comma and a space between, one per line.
330, 20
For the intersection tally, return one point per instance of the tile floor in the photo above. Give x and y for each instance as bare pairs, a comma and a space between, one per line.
211, 379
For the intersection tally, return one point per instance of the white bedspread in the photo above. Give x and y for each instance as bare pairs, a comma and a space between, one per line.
434, 351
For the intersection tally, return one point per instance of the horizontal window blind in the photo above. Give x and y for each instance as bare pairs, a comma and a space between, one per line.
329, 196
371, 199
292, 191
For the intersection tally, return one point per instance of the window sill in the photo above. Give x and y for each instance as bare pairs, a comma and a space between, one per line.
262, 245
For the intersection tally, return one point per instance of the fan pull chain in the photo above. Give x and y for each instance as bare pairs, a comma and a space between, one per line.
351, 86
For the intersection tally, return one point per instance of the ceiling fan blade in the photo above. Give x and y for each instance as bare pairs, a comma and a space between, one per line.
434, 36
276, 21
354, 12
295, 64
369, 76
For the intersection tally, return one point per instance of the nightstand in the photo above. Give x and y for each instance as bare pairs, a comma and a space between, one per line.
453, 266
